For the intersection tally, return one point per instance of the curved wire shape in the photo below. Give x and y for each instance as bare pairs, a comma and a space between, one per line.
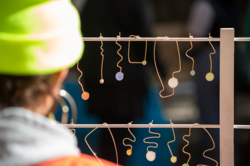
187, 145
156, 144
211, 54
190, 56
89, 145
209, 150
72, 122
118, 52
129, 138
79, 76
145, 56
102, 57
172, 140
163, 88
114, 145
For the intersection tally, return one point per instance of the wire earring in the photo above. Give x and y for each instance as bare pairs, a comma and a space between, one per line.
119, 75
85, 95
192, 72
129, 151
172, 82
173, 159
89, 145
150, 155
72, 123
210, 75
186, 164
113, 142
144, 62
101, 80
209, 150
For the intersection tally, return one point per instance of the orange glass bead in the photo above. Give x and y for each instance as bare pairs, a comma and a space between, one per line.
85, 95
129, 152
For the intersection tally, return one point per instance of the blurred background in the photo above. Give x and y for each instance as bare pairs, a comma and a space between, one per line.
136, 97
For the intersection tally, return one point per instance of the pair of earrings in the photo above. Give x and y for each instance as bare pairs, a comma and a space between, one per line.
173, 82
112, 139
186, 164
119, 75
150, 155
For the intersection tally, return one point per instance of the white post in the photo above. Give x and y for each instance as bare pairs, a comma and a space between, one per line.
227, 97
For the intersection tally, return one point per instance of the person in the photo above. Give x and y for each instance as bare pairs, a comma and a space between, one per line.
39, 41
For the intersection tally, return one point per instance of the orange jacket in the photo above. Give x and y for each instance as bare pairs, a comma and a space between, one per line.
83, 160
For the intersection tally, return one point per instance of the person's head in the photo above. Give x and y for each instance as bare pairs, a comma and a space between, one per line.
39, 41
36, 93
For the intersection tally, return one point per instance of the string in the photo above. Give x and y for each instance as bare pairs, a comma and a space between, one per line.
118, 52
102, 57
156, 144
79, 76
187, 145
172, 140
129, 138
211, 54
89, 145
145, 56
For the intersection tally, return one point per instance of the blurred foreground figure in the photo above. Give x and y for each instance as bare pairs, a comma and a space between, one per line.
39, 41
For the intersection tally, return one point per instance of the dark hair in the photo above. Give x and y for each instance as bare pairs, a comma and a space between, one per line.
24, 91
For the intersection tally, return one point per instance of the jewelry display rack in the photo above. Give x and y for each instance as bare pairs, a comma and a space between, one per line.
226, 124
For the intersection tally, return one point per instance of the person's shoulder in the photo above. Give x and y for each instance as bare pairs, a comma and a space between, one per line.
82, 160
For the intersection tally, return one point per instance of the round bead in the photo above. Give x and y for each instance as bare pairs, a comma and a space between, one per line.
85, 95
129, 152
192, 73
119, 76
185, 164
173, 159
101, 81
144, 62
209, 76
150, 156
173, 82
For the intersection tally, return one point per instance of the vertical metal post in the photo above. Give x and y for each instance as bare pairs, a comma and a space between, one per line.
227, 97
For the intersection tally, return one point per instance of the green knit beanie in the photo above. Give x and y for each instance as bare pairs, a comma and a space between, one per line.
38, 37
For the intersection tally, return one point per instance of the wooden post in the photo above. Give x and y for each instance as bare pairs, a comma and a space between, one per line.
227, 97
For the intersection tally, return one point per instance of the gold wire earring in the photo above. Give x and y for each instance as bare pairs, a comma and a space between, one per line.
192, 72
85, 95
209, 150
101, 80
116, 153
89, 145
186, 164
144, 62
72, 123
129, 151
210, 75
172, 82
173, 159
119, 75
150, 155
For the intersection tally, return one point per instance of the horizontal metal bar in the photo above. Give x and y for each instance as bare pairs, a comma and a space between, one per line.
138, 126
147, 39
242, 126
242, 39
237, 39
